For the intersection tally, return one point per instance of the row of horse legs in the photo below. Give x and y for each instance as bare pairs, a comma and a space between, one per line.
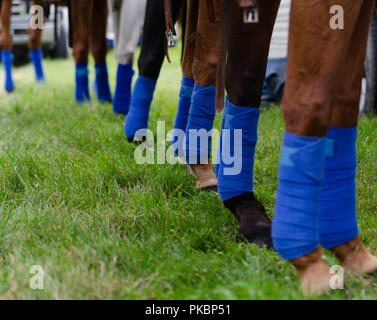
316, 194
35, 45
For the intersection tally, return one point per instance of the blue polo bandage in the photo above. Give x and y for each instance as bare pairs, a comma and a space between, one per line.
199, 125
185, 94
7, 61
82, 86
122, 95
295, 226
219, 149
141, 100
238, 141
36, 57
338, 220
101, 83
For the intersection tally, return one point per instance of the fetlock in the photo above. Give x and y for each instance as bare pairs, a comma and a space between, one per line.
313, 271
254, 224
355, 257
204, 175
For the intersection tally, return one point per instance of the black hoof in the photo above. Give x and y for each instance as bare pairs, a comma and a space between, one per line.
211, 189
254, 224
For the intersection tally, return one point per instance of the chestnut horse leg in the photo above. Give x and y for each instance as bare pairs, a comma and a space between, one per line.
128, 22
149, 63
316, 201
202, 109
187, 84
6, 43
245, 72
81, 25
98, 48
35, 48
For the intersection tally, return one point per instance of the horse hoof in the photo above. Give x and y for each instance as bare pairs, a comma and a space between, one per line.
254, 224
356, 258
314, 273
204, 175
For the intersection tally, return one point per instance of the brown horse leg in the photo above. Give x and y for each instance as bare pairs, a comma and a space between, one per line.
190, 38
352, 254
204, 72
6, 42
317, 58
98, 48
35, 34
98, 43
81, 25
5, 18
35, 47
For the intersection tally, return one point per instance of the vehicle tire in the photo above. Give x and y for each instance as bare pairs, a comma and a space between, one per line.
368, 101
61, 49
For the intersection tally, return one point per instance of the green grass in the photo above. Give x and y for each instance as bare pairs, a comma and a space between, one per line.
73, 200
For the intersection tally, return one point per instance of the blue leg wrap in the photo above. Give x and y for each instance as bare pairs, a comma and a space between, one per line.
141, 100
7, 61
338, 221
36, 57
200, 124
185, 94
295, 227
238, 141
82, 86
102, 83
122, 94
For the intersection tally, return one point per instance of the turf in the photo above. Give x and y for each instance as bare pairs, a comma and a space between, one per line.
73, 200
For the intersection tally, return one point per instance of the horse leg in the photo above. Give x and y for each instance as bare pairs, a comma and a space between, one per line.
245, 72
187, 83
81, 24
338, 221
202, 110
128, 23
35, 48
6, 43
150, 62
98, 48
309, 192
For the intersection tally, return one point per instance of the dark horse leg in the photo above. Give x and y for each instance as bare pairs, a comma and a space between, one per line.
316, 199
6, 43
150, 62
245, 71
35, 47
